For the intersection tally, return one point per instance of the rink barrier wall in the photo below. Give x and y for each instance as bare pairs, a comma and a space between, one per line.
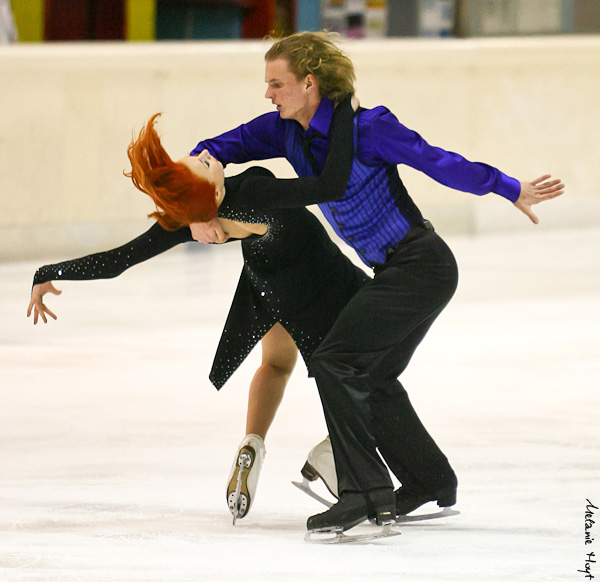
68, 111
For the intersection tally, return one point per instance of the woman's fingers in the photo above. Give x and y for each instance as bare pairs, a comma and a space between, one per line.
40, 311
36, 304
50, 313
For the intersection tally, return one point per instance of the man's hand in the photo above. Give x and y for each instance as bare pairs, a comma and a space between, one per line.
37, 301
537, 191
209, 232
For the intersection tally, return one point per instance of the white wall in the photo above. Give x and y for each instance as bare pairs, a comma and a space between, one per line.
67, 113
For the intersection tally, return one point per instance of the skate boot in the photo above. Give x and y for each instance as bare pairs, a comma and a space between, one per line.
354, 508
243, 479
408, 498
319, 465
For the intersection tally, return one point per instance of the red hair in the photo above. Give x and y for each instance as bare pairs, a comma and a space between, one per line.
180, 196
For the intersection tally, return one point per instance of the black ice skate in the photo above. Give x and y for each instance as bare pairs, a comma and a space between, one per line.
352, 509
409, 499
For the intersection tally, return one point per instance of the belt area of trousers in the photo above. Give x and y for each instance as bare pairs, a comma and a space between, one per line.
412, 233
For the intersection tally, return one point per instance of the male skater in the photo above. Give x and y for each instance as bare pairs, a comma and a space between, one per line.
357, 366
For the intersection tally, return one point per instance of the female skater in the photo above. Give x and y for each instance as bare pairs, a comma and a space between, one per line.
294, 282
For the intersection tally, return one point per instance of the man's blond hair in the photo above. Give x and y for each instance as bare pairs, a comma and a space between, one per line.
315, 52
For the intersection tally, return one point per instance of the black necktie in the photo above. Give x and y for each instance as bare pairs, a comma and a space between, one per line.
305, 141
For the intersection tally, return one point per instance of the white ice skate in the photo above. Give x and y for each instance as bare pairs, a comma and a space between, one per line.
319, 465
243, 479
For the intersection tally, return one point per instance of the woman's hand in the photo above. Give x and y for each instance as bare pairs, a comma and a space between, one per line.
537, 191
37, 304
208, 232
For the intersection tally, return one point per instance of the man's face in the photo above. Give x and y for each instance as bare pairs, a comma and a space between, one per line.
295, 99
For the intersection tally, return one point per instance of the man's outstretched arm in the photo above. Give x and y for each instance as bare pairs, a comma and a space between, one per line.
259, 139
397, 144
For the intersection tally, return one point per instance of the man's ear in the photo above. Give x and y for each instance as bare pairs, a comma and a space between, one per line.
311, 83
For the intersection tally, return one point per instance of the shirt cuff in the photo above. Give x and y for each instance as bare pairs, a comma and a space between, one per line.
507, 187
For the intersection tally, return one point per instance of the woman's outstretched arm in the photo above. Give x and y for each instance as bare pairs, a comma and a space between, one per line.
104, 265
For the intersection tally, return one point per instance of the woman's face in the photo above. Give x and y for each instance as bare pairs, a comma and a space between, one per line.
209, 168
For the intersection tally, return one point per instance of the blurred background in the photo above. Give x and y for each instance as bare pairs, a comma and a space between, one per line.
145, 20
513, 83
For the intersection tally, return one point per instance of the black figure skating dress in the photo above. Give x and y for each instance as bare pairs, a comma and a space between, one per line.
294, 274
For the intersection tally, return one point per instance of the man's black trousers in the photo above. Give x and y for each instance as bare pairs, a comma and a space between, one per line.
357, 366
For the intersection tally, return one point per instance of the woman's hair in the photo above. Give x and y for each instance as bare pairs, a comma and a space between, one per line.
180, 196
314, 52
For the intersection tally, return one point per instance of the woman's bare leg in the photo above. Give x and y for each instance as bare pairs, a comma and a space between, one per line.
279, 355
266, 392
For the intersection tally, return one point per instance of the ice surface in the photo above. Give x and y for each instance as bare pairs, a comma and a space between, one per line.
115, 449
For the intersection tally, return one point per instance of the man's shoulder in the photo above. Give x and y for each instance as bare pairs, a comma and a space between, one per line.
266, 119
369, 116
372, 125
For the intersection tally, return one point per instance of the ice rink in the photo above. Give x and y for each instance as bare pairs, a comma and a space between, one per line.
115, 449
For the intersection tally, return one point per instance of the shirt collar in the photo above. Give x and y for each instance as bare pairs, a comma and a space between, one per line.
322, 118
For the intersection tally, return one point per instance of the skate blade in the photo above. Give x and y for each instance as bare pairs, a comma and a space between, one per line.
238, 508
339, 537
304, 486
446, 512
237, 500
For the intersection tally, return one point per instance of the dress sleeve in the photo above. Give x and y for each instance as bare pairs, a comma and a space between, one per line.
110, 264
265, 193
